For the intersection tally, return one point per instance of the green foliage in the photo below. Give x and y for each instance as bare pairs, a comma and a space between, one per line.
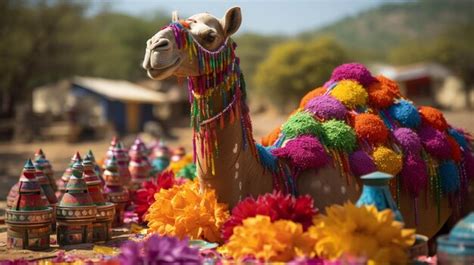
252, 50
294, 68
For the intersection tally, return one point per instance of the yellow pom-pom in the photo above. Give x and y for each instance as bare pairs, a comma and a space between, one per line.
350, 93
185, 211
387, 160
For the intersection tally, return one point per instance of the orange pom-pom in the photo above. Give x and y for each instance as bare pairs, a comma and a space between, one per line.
370, 128
433, 117
455, 149
312, 94
383, 92
270, 138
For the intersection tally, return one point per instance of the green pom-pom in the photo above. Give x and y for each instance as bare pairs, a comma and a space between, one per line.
301, 123
339, 135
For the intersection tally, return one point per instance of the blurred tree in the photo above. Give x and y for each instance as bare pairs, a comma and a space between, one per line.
48, 40
453, 48
252, 50
294, 68
117, 44
38, 45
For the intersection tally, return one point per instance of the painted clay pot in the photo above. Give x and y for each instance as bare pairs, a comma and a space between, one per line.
76, 212
115, 190
29, 218
102, 226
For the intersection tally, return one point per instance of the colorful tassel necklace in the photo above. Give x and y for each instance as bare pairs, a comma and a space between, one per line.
220, 83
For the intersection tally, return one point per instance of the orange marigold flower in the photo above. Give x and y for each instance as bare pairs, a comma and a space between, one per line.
185, 211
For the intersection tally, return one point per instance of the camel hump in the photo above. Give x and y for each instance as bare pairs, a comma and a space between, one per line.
362, 123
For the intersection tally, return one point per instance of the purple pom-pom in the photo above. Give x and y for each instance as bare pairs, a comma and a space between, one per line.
326, 108
354, 71
469, 164
361, 163
435, 142
408, 140
303, 152
414, 174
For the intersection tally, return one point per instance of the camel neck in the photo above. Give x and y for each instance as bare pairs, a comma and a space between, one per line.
217, 102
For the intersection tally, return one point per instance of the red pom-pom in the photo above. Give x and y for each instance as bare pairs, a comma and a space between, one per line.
145, 196
455, 149
433, 117
312, 94
383, 92
275, 205
370, 128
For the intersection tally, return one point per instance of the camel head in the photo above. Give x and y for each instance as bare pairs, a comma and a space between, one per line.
164, 56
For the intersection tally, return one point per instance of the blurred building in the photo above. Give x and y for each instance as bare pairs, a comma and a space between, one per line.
428, 84
90, 103
418, 82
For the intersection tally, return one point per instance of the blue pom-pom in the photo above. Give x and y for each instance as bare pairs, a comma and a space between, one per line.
458, 137
449, 174
405, 113
267, 159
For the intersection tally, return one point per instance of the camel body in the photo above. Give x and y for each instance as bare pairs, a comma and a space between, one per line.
226, 156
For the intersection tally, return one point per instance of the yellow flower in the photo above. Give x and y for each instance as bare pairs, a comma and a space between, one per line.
176, 166
350, 93
185, 211
362, 232
258, 237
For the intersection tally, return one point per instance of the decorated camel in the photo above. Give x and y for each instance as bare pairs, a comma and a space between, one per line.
352, 125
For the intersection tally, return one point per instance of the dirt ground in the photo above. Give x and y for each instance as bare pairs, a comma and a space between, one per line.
13, 155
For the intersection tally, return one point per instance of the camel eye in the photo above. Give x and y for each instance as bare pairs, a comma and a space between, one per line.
210, 36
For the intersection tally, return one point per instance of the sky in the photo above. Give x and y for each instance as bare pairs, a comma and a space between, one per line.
266, 17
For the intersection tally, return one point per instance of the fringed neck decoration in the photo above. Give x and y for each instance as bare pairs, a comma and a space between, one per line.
217, 95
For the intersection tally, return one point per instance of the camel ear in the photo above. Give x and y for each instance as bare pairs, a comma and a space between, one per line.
231, 21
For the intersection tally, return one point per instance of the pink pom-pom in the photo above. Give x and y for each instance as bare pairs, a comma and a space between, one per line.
435, 142
414, 174
353, 71
303, 152
408, 140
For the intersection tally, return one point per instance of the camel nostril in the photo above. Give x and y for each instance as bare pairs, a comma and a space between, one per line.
161, 44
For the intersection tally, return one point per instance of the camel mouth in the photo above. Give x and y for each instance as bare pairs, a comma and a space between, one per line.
159, 73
